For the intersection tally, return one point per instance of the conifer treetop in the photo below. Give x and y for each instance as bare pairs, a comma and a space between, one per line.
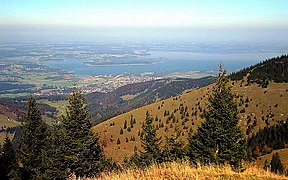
32, 140
83, 154
219, 139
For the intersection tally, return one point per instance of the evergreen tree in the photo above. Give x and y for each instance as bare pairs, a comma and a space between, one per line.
219, 139
118, 141
276, 164
131, 123
2, 166
9, 166
53, 155
83, 153
134, 121
173, 149
125, 124
32, 142
150, 143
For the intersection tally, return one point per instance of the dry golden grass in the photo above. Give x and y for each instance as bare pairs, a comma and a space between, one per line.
184, 171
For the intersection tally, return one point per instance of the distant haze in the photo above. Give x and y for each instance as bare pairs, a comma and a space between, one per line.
270, 35
222, 21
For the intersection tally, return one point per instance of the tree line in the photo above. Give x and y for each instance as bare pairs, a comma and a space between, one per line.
8, 130
274, 69
268, 139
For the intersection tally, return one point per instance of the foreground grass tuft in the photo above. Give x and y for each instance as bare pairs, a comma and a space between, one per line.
180, 171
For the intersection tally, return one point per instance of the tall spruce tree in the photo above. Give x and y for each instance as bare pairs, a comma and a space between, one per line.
9, 165
276, 164
32, 142
173, 149
83, 153
53, 156
150, 143
219, 139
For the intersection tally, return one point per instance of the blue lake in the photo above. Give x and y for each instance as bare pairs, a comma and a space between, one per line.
173, 62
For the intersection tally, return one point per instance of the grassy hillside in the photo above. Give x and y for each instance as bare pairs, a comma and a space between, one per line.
4, 123
258, 107
184, 171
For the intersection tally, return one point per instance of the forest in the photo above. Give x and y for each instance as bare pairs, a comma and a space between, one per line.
274, 69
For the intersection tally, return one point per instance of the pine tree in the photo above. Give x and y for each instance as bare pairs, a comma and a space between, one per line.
118, 141
219, 139
2, 166
276, 164
150, 143
125, 124
131, 123
9, 166
53, 155
134, 121
156, 119
173, 149
83, 153
32, 142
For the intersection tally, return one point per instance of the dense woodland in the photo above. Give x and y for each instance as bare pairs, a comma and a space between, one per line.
8, 86
274, 69
268, 139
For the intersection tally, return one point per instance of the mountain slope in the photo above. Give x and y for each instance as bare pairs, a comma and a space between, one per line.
184, 111
106, 105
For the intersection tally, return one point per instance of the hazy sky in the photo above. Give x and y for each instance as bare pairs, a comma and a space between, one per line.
243, 17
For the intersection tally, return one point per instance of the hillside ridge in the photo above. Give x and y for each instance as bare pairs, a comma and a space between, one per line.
106, 105
273, 69
258, 107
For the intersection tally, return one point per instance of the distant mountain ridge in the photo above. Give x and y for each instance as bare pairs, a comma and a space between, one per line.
16, 108
106, 105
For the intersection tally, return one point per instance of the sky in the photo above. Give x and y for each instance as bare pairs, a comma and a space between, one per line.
204, 19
